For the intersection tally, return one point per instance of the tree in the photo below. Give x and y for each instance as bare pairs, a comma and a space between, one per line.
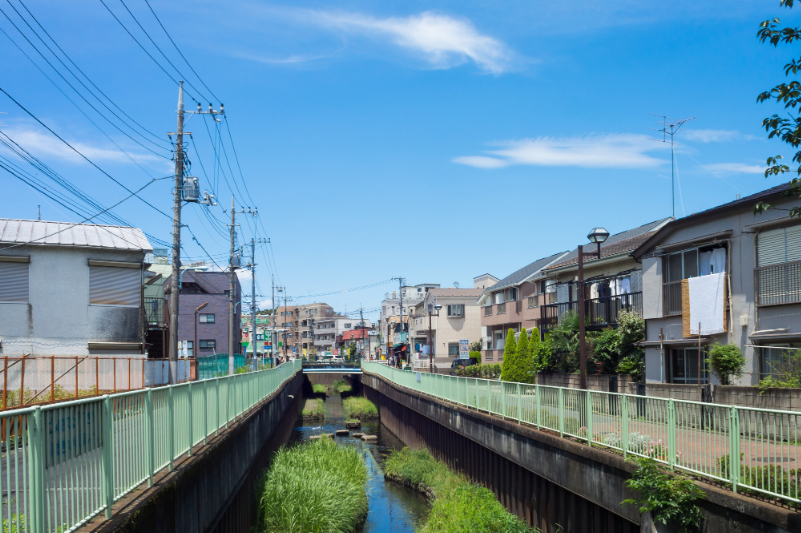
525, 371
726, 362
788, 128
631, 328
509, 355
475, 346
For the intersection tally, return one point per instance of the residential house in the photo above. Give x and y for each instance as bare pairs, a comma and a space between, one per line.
212, 326
71, 289
511, 303
407, 297
612, 283
459, 319
755, 297
365, 339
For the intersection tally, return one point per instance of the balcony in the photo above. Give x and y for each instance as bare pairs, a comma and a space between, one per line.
778, 284
154, 312
488, 311
501, 309
324, 331
598, 312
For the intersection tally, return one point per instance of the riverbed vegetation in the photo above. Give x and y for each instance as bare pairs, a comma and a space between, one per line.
359, 408
320, 389
459, 506
311, 488
313, 409
341, 386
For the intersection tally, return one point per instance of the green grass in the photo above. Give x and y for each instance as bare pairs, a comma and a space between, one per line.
313, 408
320, 389
341, 386
360, 408
459, 506
317, 487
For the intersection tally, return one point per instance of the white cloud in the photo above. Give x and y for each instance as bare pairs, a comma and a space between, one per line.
592, 151
40, 143
443, 41
736, 168
710, 136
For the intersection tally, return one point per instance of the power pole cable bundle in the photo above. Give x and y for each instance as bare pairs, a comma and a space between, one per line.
234, 263
253, 243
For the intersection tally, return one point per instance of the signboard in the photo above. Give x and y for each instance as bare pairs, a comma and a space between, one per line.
464, 349
336, 351
268, 335
245, 344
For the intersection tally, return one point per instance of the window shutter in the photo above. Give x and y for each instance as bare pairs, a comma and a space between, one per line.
636, 281
562, 293
794, 243
770, 246
114, 286
14, 282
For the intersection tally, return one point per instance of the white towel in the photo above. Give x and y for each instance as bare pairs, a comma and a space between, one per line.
706, 304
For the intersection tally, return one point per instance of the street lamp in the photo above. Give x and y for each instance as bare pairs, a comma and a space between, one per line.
430, 345
597, 236
195, 348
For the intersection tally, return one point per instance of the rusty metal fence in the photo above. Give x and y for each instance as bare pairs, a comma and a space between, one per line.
28, 381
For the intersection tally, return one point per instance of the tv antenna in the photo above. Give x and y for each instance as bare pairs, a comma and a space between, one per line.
670, 126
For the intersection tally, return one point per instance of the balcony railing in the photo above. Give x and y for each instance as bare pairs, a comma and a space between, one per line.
671, 298
778, 284
597, 311
488, 311
154, 312
502, 308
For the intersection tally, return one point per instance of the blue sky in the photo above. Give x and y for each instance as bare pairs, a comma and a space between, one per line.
430, 140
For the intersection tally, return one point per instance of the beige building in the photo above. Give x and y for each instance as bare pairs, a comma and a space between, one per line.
297, 326
458, 319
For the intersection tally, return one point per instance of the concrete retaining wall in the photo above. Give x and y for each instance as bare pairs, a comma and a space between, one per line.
776, 399
596, 382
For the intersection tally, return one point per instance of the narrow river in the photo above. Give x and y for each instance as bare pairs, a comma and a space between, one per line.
391, 507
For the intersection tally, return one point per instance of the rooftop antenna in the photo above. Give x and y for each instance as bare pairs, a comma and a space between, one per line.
670, 126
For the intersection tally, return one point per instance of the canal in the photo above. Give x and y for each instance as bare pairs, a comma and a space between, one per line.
391, 507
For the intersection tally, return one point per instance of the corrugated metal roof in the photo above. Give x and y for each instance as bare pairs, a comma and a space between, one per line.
45, 233
519, 275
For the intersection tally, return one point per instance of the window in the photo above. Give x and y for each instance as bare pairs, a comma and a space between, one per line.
499, 340
117, 286
532, 302
781, 245
511, 294
206, 318
347, 326
384, 310
456, 310
190, 352
453, 350
226, 292
14, 281
499, 298
695, 262
207, 344
684, 366
779, 266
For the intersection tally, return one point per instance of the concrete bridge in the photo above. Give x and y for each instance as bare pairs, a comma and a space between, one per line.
548, 481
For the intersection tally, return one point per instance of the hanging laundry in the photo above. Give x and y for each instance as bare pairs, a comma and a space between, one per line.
706, 304
594, 291
718, 260
625, 285
705, 259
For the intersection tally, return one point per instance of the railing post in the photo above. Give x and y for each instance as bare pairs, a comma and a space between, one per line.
191, 419
205, 411
150, 436
588, 415
489, 397
537, 405
561, 413
36, 469
519, 404
734, 447
217, 404
503, 399
671, 433
170, 425
108, 455
624, 413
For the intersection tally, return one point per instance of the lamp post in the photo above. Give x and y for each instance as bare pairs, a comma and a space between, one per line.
430, 345
195, 348
596, 236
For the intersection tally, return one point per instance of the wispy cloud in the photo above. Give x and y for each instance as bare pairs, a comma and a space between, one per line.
592, 151
443, 42
736, 168
711, 136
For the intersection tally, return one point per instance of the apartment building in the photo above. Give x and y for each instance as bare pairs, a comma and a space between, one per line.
511, 303
298, 325
735, 274
407, 297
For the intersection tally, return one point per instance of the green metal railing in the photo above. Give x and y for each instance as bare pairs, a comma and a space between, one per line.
211, 366
63, 464
754, 450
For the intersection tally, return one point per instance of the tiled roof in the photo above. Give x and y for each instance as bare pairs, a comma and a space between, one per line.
519, 275
43, 233
355, 334
454, 292
619, 243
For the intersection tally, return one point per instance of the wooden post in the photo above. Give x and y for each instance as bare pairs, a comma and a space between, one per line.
52, 378
22, 384
97, 376
76, 377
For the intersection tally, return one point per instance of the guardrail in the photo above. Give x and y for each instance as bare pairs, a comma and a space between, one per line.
705, 439
65, 463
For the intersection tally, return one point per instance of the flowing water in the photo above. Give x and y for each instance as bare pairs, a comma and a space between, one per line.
392, 508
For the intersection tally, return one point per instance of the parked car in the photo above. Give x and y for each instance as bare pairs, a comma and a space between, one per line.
460, 364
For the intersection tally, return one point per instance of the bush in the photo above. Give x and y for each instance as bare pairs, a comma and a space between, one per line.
359, 408
787, 372
320, 389
773, 478
726, 362
313, 409
318, 486
631, 357
341, 386
476, 355
509, 356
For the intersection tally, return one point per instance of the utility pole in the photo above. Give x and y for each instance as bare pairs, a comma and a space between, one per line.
176, 239
231, 305
178, 189
253, 243
364, 340
400, 291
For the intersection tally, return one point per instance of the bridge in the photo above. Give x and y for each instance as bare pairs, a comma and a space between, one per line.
186, 457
